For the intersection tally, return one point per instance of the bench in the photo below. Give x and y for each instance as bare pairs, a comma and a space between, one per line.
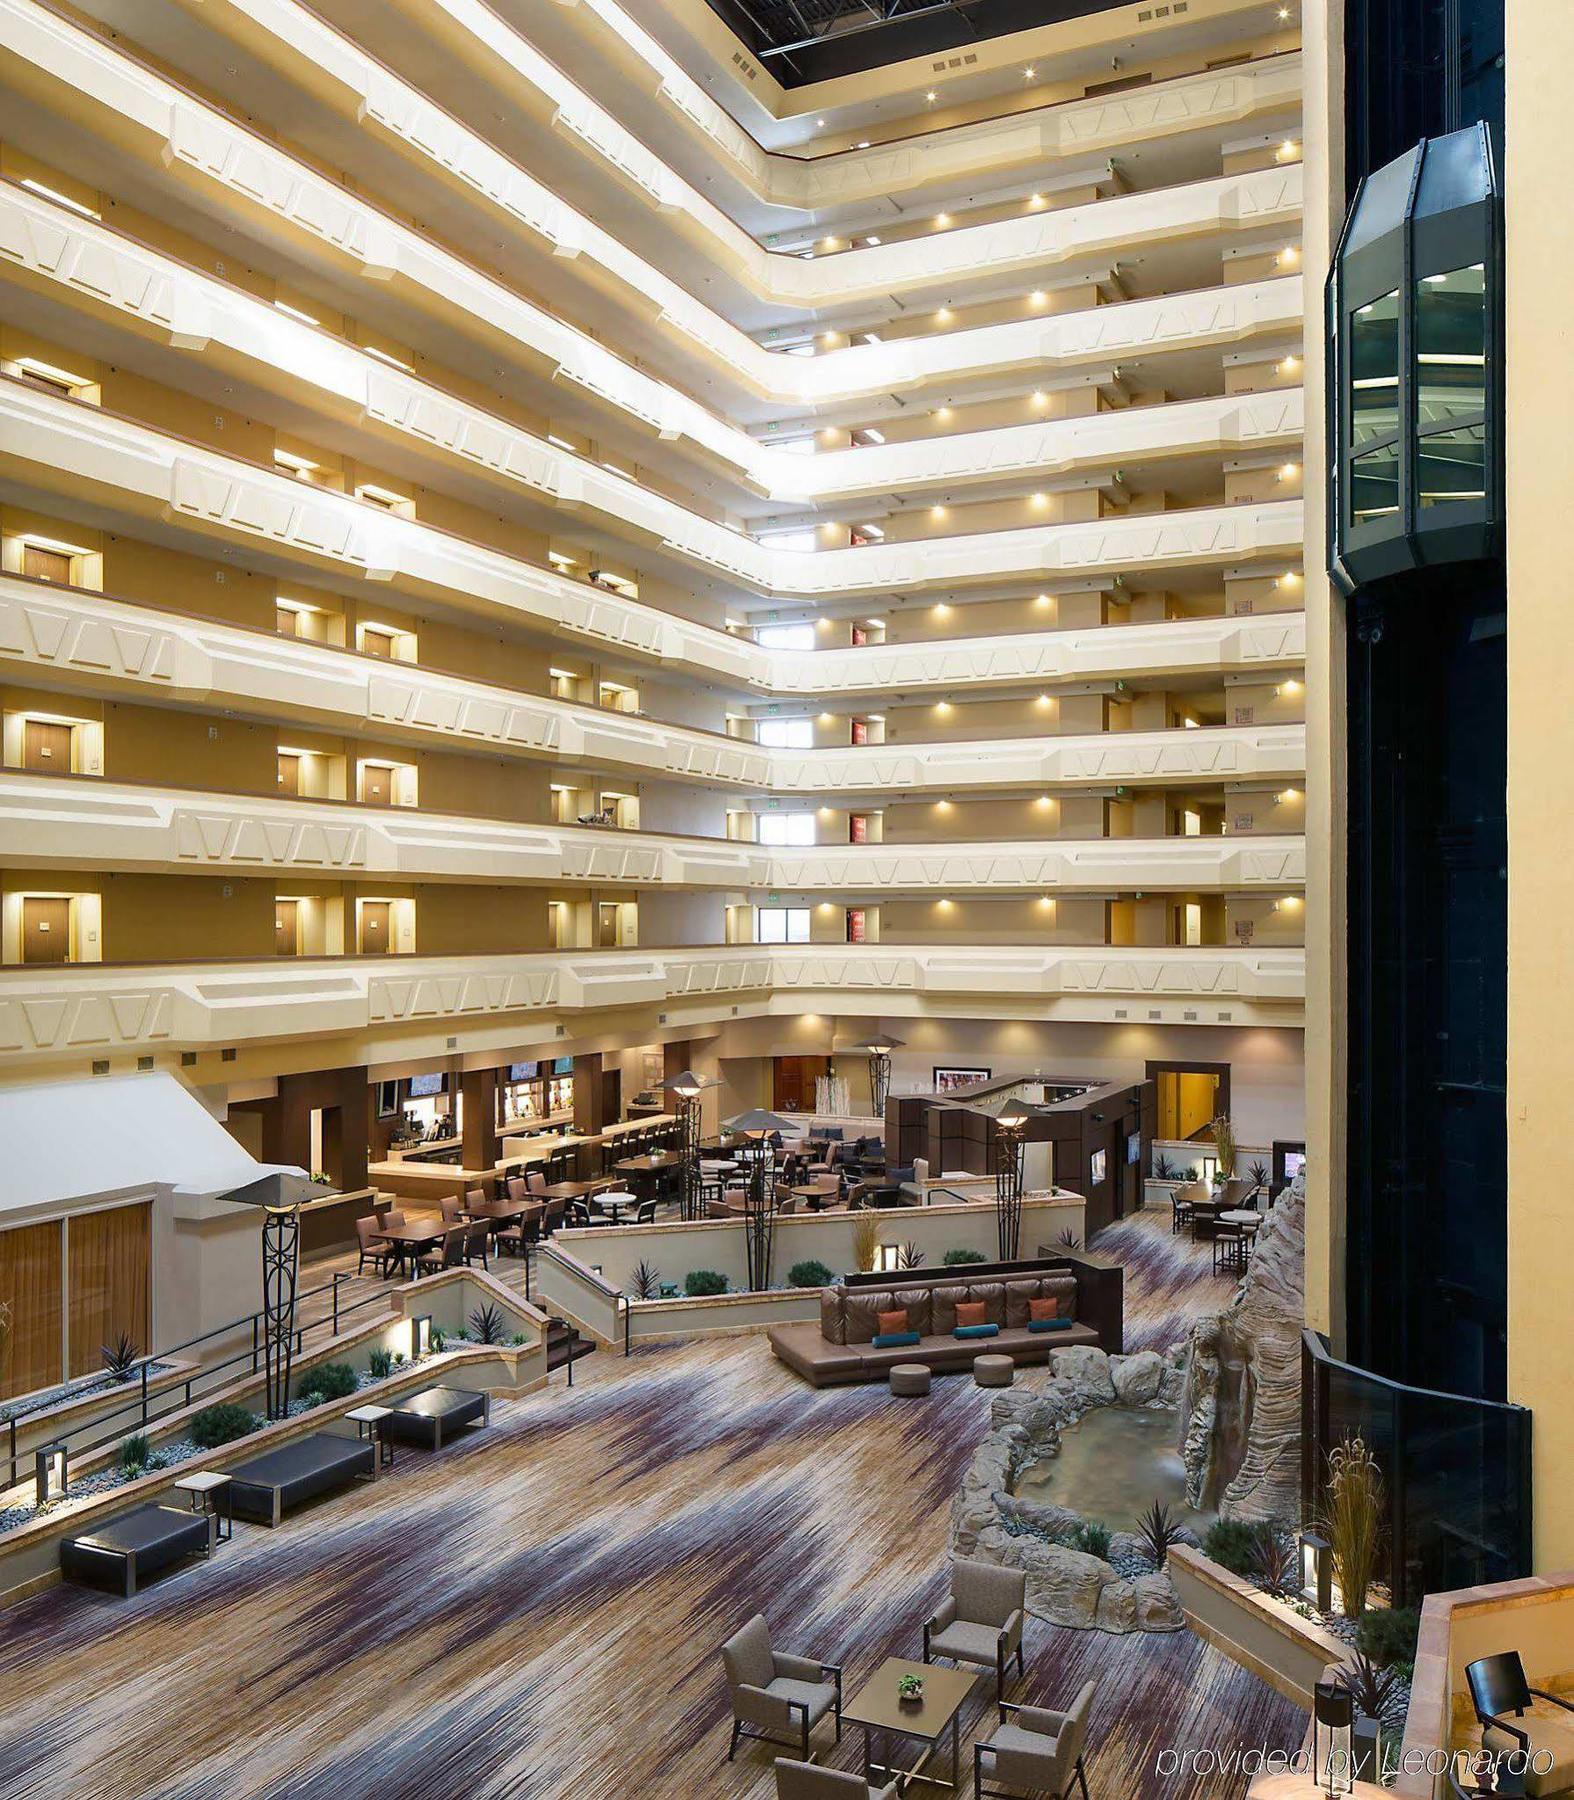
123, 1551
434, 1414
265, 1487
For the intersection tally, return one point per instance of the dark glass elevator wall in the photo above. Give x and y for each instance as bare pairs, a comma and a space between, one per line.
1428, 893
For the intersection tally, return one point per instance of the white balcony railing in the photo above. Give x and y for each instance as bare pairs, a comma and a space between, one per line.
89, 1009
81, 823
272, 192
120, 281
94, 643
65, 442
813, 188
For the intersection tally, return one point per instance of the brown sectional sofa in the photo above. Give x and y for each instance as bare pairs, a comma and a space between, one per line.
840, 1347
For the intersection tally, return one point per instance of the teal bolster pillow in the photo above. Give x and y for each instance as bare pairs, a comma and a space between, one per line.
1049, 1324
895, 1340
975, 1331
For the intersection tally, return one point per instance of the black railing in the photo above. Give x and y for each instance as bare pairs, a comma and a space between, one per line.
1456, 1470
142, 1404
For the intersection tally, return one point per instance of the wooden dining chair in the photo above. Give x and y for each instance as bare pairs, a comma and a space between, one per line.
450, 1254
371, 1250
452, 1211
476, 1236
517, 1189
515, 1240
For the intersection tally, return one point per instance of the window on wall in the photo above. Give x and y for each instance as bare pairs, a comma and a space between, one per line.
783, 925
787, 828
786, 637
787, 734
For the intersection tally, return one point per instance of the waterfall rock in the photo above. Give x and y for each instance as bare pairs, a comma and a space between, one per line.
1137, 1377
1087, 1369
1241, 1397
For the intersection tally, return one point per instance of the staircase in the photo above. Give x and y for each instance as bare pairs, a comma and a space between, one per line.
565, 1345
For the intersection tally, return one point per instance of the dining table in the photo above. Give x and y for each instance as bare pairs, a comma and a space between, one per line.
650, 1174
410, 1240
572, 1190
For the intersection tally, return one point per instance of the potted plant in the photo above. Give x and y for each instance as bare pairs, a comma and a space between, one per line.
1371, 1689
910, 1690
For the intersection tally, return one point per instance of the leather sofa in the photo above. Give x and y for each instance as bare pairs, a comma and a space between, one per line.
840, 1347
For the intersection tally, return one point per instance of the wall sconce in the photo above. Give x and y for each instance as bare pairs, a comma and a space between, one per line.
49, 1474
420, 1336
1333, 1719
1317, 1571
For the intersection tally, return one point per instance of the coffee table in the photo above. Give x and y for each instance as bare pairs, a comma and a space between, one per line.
881, 1714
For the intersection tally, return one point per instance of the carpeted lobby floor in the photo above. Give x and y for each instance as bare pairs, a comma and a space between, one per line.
535, 1612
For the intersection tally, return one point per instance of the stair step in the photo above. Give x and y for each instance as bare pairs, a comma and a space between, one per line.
565, 1344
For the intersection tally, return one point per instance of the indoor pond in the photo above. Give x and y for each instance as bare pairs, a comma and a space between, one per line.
1113, 1464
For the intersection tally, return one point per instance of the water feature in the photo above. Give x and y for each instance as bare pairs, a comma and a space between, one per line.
1113, 1464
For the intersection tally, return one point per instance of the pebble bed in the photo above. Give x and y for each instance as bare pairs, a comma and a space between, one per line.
71, 1390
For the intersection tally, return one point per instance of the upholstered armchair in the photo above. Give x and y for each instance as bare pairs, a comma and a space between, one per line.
981, 1623
808, 1781
1513, 1715
1035, 1750
775, 1697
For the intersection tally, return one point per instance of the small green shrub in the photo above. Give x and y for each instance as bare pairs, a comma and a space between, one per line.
329, 1381
439, 1342
135, 1455
517, 1338
809, 1274
700, 1284
1232, 1545
1388, 1635
953, 1259
1091, 1537
221, 1424
380, 1363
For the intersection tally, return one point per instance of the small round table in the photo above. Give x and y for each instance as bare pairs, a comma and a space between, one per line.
909, 1379
993, 1371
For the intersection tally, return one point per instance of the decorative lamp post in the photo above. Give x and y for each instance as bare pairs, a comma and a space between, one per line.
1010, 1122
1333, 1722
50, 1476
1317, 1571
420, 1335
686, 1090
280, 1197
757, 1126
878, 1049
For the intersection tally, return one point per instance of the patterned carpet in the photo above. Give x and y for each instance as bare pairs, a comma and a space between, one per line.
535, 1611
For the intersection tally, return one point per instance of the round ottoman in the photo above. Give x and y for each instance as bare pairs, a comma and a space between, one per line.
909, 1378
993, 1371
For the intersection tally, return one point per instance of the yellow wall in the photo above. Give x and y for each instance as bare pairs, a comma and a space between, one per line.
1540, 354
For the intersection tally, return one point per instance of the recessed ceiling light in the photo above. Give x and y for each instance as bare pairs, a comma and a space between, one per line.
931, 96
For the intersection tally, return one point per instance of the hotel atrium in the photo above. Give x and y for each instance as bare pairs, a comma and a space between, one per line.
781, 922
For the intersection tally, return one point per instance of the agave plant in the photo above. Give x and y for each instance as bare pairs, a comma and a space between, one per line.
486, 1325
1258, 1174
909, 1256
645, 1282
1155, 1531
120, 1357
1275, 1566
1163, 1168
1370, 1687
1068, 1240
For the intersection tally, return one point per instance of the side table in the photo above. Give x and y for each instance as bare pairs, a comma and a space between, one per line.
208, 1492
368, 1423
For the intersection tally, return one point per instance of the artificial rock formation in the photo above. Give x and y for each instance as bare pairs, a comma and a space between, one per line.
1241, 1401
1064, 1586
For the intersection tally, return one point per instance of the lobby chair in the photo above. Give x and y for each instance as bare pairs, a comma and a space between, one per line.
1515, 1716
516, 1190
981, 1623
536, 1182
777, 1698
449, 1255
476, 1235
1034, 1750
808, 1781
514, 1240
580, 1216
453, 1213
370, 1250
645, 1213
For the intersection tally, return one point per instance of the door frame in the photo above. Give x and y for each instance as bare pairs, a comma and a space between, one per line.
1170, 1066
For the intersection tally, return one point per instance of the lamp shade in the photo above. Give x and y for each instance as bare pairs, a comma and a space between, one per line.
879, 1044
757, 1122
279, 1191
1013, 1115
688, 1085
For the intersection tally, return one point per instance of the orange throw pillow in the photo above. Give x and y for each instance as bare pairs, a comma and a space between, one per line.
892, 1322
1043, 1309
971, 1312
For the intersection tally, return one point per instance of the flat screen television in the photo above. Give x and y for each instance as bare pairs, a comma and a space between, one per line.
387, 1099
564, 1065
1134, 1146
423, 1087
527, 1071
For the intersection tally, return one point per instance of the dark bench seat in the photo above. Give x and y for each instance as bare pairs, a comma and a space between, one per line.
265, 1487
124, 1551
434, 1415
805, 1351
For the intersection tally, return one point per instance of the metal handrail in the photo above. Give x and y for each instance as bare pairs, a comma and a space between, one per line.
206, 1374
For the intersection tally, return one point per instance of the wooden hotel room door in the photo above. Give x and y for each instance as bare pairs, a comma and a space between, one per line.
376, 927
46, 746
46, 929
